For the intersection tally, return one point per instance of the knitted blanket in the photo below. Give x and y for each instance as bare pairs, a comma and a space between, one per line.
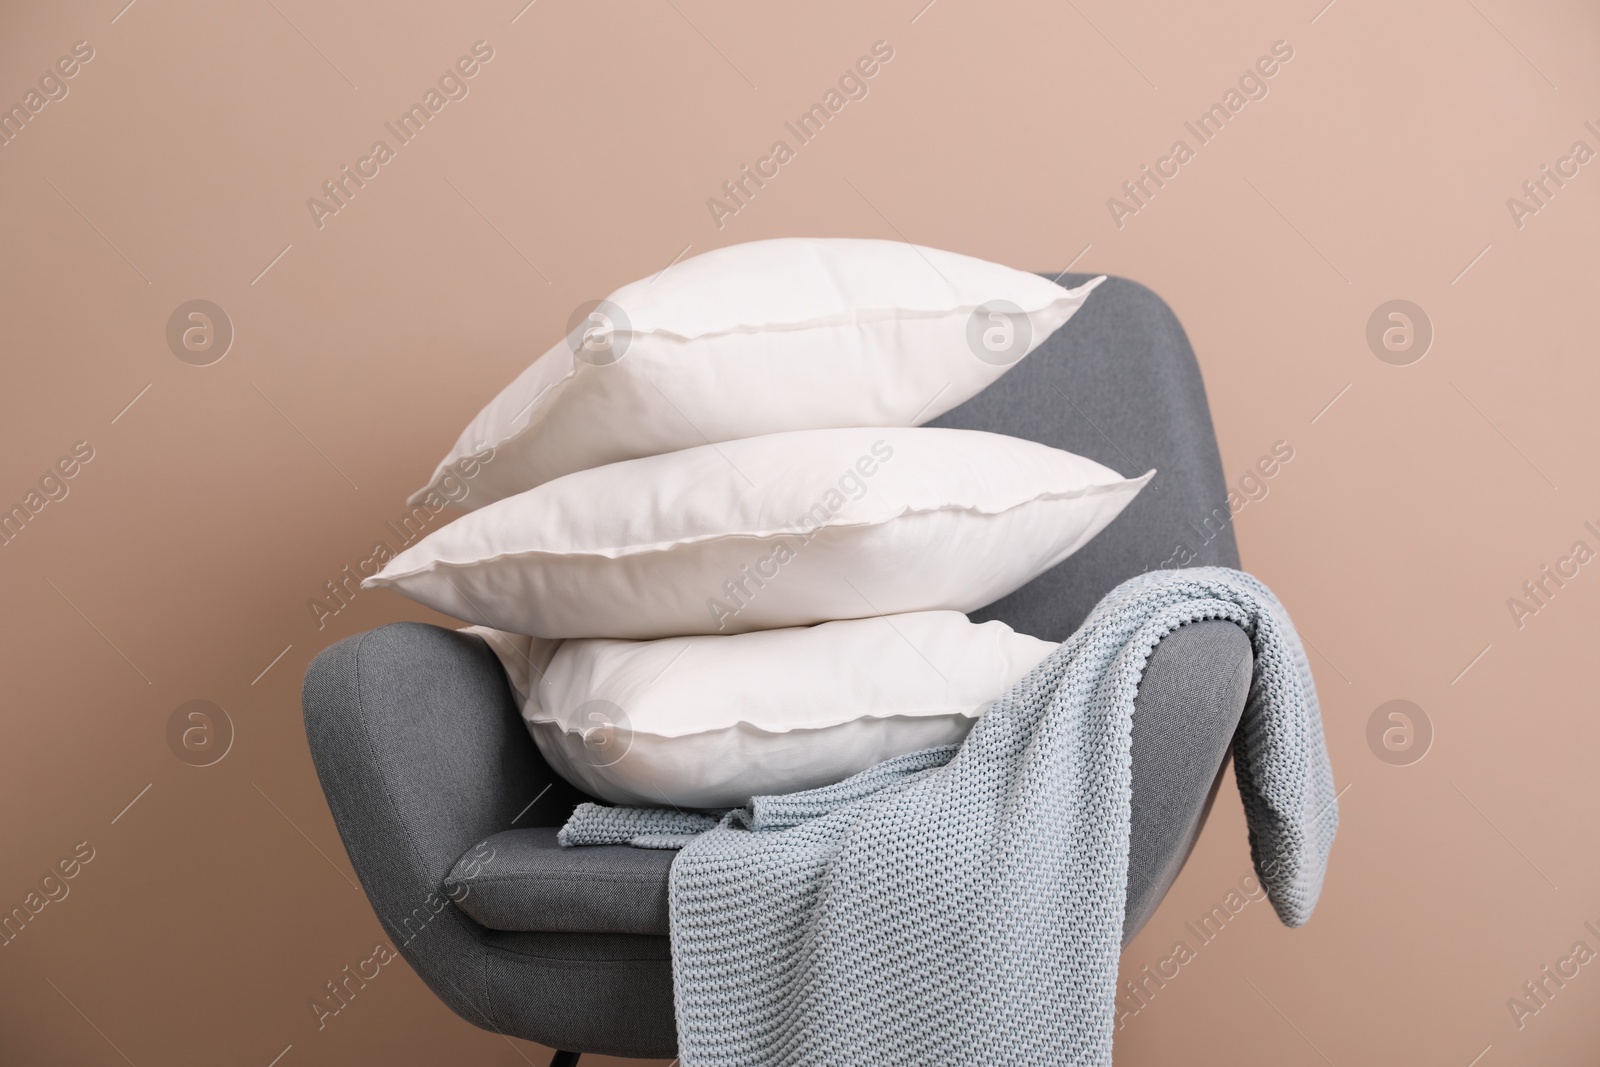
964, 904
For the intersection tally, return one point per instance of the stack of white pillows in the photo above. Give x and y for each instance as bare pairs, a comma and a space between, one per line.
713, 550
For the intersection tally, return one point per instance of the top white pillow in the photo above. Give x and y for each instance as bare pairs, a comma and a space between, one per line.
759, 338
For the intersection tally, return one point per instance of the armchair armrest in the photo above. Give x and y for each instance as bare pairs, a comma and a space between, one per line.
1190, 701
422, 753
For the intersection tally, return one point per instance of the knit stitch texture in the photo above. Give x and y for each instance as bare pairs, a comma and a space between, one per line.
964, 905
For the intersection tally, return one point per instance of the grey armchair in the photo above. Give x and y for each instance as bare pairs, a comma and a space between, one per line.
430, 772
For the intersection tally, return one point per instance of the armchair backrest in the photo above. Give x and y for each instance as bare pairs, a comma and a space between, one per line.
1119, 384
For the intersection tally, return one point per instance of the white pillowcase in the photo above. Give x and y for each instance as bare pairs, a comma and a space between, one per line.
785, 529
709, 722
524, 658
788, 334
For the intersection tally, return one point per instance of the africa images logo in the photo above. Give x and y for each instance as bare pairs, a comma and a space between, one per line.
452, 85
1252, 85
852, 85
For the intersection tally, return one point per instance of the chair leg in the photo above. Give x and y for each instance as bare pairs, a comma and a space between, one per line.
565, 1059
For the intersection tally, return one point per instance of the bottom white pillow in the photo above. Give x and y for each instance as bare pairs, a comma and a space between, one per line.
710, 721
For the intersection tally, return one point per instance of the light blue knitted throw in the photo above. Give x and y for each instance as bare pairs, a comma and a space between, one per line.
964, 905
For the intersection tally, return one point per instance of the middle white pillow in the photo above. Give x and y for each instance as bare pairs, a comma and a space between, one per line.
787, 529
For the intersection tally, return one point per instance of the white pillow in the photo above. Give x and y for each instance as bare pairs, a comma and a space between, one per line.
789, 334
786, 529
709, 722
524, 658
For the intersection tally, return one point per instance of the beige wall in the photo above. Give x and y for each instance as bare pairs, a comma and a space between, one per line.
179, 565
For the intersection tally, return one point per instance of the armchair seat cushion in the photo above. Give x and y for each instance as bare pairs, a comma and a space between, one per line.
530, 883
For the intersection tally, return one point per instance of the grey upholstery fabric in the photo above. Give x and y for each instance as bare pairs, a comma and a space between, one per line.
1118, 383
423, 755
1189, 702
534, 884
605, 993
